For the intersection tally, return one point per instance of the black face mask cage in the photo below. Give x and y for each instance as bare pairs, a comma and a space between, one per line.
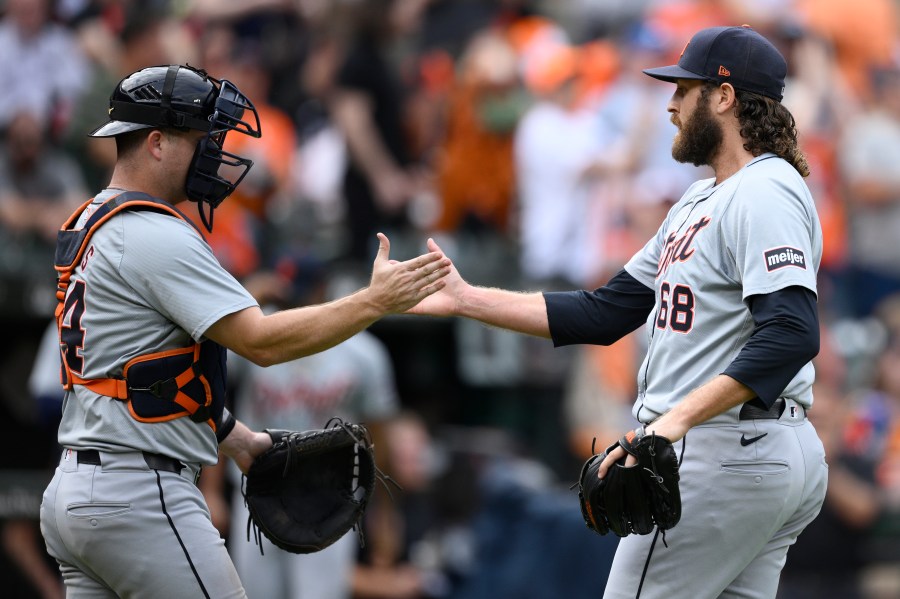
230, 107
204, 184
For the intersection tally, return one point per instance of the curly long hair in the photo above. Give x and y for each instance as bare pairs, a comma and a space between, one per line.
767, 126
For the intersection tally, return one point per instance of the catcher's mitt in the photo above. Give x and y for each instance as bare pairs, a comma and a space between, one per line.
632, 500
310, 488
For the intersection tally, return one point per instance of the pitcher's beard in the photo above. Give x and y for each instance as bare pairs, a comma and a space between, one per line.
699, 138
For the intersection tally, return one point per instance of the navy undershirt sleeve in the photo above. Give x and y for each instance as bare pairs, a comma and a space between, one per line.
599, 317
785, 338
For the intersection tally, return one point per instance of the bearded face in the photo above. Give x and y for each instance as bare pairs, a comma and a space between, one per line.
699, 137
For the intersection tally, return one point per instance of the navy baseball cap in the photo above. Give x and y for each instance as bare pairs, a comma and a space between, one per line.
736, 55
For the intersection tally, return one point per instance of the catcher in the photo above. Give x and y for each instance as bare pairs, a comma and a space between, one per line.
145, 313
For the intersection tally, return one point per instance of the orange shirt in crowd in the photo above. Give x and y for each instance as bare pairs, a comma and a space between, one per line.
475, 171
233, 236
864, 34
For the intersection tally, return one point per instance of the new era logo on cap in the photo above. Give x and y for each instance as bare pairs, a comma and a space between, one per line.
736, 55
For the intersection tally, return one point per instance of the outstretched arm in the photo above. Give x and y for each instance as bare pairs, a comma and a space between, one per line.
291, 334
520, 312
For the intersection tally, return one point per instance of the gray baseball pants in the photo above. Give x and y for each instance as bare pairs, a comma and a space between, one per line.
122, 529
743, 506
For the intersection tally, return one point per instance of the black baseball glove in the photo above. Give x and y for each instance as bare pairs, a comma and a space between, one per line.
632, 500
310, 488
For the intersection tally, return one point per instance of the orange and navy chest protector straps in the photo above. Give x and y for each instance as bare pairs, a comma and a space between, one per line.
158, 386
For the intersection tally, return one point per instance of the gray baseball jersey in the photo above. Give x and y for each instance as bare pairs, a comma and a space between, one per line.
718, 246
151, 284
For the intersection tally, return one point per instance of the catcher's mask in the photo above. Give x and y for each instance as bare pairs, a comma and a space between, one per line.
182, 97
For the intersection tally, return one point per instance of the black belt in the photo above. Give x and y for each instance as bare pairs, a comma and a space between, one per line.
753, 411
154, 461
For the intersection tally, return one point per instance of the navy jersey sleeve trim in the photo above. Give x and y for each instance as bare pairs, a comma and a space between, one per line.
785, 338
599, 317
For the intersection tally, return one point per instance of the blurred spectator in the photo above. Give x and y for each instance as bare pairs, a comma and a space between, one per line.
869, 151
39, 187
368, 108
118, 43
279, 30
763, 15
852, 549
851, 434
863, 35
636, 179
41, 66
452, 36
820, 107
22, 541
404, 554
42, 73
530, 541
290, 52
554, 145
599, 65
883, 575
596, 19
451, 25
314, 211
20, 537
599, 394
239, 236
354, 381
232, 9
678, 19
321, 157
475, 175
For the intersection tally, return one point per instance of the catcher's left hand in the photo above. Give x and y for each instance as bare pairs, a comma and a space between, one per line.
310, 488
632, 499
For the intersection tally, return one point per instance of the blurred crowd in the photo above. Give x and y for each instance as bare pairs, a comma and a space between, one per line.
522, 136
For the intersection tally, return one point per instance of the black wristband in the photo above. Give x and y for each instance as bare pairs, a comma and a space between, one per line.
226, 425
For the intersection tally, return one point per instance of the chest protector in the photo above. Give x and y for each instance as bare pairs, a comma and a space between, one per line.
158, 386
